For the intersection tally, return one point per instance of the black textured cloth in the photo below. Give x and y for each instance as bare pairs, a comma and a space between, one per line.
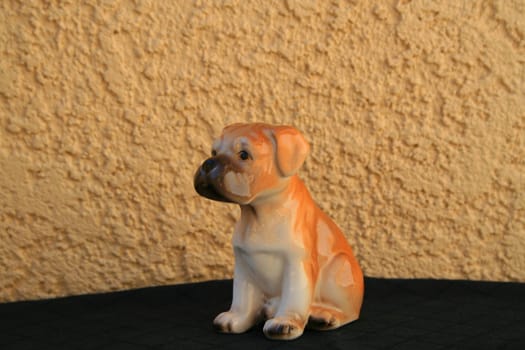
396, 314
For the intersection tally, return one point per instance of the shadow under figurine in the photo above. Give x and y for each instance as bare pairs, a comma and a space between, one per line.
293, 266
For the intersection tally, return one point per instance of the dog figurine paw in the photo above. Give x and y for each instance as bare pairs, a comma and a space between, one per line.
293, 265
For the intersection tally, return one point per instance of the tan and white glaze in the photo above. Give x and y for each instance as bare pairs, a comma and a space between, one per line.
293, 266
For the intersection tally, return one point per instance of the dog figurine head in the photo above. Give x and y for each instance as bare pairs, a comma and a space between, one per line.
250, 161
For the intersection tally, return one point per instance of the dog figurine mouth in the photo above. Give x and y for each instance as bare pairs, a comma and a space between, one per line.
205, 187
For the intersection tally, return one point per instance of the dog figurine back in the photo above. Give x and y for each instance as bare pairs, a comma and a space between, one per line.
293, 266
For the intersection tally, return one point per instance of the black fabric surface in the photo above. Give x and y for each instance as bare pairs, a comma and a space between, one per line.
397, 314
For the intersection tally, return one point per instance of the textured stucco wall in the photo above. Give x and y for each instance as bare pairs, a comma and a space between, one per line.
415, 111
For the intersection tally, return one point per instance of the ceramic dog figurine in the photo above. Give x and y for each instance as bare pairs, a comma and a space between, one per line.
293, 266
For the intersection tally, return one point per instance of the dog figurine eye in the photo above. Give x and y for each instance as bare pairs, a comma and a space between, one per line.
213, 153
244, 155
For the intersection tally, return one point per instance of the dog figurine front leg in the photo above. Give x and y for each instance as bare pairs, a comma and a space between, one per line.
293, 311
246, 304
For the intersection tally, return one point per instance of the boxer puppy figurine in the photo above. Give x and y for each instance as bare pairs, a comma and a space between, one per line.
293, 266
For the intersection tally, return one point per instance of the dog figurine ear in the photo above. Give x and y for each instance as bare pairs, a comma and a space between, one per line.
291, 149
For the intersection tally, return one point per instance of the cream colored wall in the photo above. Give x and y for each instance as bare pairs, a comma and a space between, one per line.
415, 111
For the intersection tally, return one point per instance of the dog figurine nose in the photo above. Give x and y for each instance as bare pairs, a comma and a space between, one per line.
208, 165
